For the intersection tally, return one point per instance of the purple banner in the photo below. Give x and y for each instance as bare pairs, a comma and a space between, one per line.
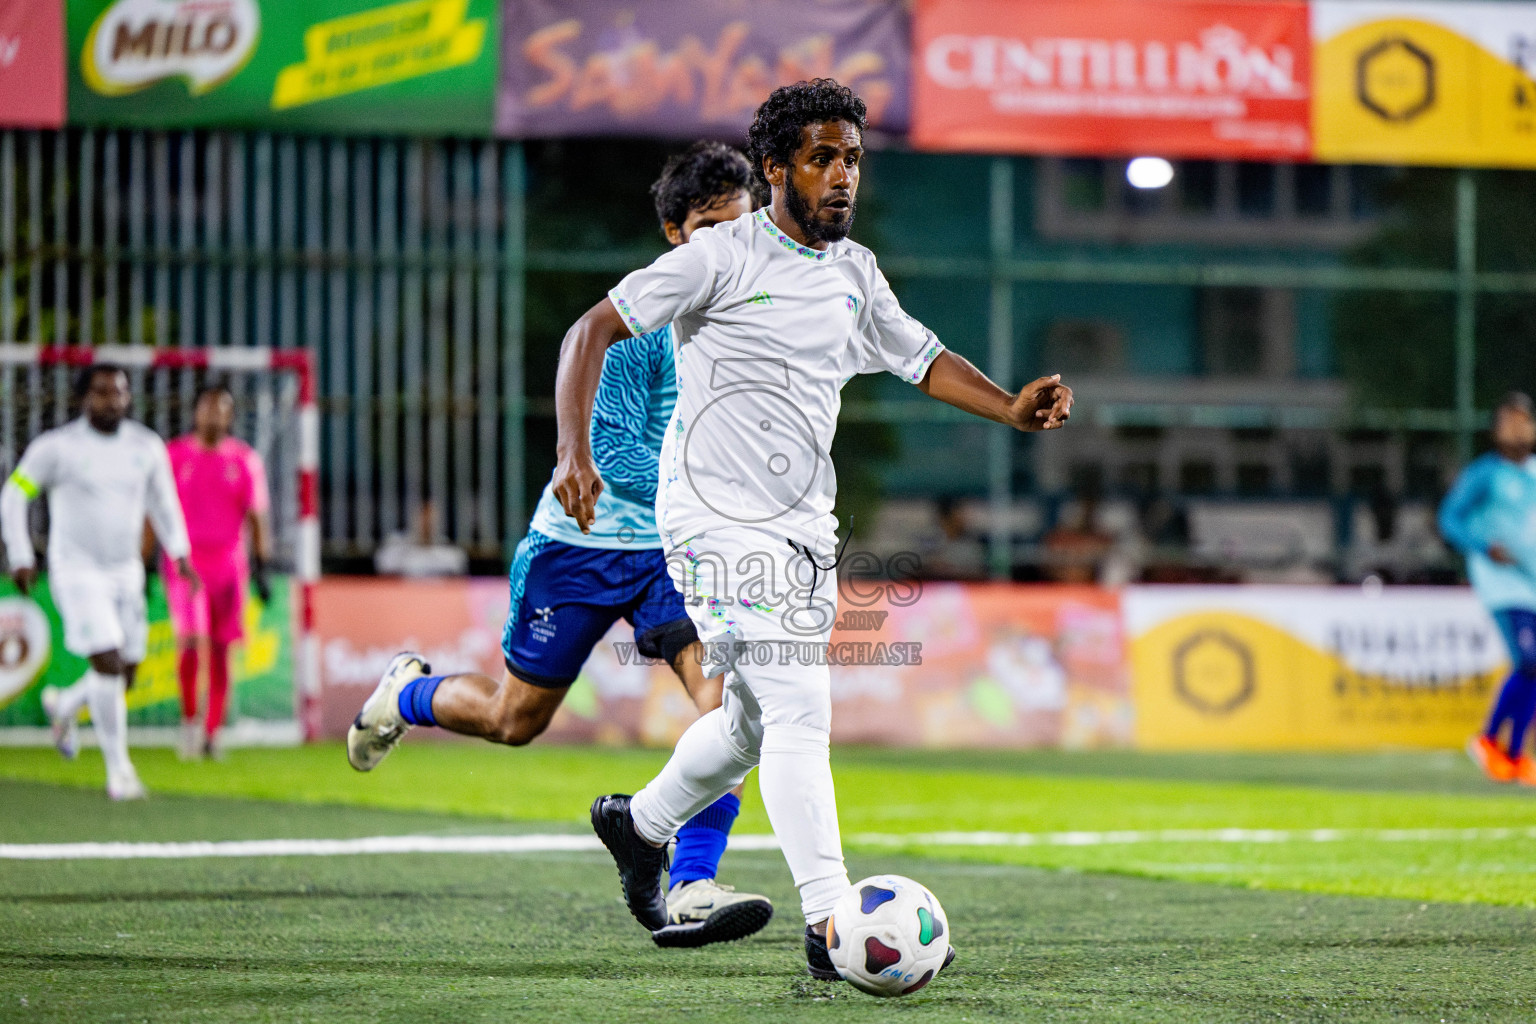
688, 69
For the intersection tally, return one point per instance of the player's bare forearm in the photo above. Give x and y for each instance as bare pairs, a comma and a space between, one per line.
955, 380
1043, 404
577, 482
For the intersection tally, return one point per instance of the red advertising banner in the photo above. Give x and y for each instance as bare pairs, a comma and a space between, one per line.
1165, 77
941, 665
32, 63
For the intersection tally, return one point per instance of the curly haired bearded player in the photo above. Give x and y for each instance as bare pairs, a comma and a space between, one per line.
570, 585
772, 313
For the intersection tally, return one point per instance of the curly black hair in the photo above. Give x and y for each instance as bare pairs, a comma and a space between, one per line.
697, 176
776, 129
88, 374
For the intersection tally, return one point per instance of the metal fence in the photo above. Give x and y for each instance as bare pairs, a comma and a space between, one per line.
397, 262
402, 265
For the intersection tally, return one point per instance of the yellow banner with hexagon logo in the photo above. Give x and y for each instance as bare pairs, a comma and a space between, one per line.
1424, 82
1286, 668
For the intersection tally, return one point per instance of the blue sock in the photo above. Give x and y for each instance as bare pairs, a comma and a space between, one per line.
1520, 720
416, 700
701, 841
1511, 696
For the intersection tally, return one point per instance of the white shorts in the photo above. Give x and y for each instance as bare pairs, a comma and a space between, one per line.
103, 609
764, 614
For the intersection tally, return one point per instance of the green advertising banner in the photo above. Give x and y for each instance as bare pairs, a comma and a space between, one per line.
350, 66
32, 656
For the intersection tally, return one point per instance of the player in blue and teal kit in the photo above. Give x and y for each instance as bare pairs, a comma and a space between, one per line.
1490, 516
569, 586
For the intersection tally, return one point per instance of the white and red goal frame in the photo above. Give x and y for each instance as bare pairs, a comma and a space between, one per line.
301, 364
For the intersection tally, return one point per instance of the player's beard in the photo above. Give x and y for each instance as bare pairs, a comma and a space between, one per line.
814, 229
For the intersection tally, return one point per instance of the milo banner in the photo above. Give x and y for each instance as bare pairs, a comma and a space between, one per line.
687, 69
326, 65
1247, 668
32, 656
935, 665
1425, 82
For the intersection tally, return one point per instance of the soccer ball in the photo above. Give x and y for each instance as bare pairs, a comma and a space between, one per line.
888, 936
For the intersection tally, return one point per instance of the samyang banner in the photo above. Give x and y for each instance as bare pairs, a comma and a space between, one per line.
425, 66
1425, 83
31, 63
1173, 77
682, 70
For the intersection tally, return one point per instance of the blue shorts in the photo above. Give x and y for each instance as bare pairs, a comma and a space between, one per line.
564, 598
1518, 625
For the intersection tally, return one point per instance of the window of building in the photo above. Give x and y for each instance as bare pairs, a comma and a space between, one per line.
1083, 184
1314, 190
1232, 331
1311, 474
1196, 181
1086, 478
1197, 478
1256, 189
1367, 479
1255, 479
1085, 346
1139, 478
1209, 201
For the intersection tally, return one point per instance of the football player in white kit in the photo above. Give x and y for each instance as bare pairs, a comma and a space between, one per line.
772, 314
103, 473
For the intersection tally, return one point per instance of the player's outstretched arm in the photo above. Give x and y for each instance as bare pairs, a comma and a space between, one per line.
1043, 404
577, 482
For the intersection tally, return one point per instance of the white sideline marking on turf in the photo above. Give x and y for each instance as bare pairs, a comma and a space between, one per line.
575, 843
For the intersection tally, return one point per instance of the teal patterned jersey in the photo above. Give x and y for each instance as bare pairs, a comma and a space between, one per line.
1494, 502
634, 402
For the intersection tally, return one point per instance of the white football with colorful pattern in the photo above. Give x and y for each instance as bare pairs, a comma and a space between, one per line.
888, 936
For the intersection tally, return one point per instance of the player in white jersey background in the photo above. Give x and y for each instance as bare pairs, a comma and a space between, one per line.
772, 313
103, 474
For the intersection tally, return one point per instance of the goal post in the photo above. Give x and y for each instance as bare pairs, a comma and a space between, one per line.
298, 452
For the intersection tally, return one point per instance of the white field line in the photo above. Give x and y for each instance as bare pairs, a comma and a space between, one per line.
574, 843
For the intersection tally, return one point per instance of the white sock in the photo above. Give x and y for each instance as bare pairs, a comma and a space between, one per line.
796, 781
109, 714
72, 698
706, 765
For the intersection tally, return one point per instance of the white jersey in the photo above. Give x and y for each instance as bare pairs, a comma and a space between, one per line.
767, 331
100, 487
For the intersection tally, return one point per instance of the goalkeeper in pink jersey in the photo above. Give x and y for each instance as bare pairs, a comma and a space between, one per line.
223, 490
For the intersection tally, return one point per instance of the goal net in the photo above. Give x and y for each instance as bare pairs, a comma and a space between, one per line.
276, 682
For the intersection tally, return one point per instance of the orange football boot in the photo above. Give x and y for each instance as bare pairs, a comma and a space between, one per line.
1485, 753
1525, 770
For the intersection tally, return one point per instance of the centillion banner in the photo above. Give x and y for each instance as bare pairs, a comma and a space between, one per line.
1293, 668
1405, 81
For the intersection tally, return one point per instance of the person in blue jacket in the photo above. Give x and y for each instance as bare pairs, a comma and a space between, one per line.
1490, 516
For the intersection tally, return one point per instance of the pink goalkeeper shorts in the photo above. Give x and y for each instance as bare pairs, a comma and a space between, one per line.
217, 610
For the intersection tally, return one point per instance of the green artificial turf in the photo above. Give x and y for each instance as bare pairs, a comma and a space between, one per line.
544, 938
895, 794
